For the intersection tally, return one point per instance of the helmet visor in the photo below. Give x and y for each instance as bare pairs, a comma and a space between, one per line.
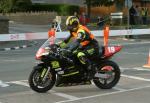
70, 27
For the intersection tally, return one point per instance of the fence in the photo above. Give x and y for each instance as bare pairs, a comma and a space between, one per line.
44, 35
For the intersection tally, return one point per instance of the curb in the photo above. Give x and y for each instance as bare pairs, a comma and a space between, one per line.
18, 47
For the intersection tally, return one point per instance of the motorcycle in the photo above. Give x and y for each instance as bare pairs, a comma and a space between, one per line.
61, 68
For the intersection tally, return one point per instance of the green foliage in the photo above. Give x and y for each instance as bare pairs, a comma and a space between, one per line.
21, 5
5, 6
61, 9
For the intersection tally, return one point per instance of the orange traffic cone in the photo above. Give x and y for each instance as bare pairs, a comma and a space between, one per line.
148, 65
51, 35
51, 32
106, 35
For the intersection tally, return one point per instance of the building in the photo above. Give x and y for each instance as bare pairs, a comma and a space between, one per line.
142, 3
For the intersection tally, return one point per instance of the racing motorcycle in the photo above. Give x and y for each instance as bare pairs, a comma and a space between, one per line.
59, 67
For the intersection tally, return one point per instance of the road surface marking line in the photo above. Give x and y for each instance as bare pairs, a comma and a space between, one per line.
17, 47
133, 53
141, 69
9, 60
24, 83
134, 77
134, 68
7, 49
20, 83
105, 94
120, 89
2, 84
116, 88
18, 80
70, 97
144, 42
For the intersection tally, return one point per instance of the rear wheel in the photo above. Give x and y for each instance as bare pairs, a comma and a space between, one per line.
41, 82
108, 75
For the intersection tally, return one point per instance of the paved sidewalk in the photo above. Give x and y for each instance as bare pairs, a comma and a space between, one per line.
27, 28
12, 45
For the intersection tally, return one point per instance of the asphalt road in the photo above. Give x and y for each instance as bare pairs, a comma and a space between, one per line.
133, 87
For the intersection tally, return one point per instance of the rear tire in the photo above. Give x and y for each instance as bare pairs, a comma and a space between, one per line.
115, 71
35, 82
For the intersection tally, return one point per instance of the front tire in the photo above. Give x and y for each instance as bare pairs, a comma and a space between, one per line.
35, 80
111, 69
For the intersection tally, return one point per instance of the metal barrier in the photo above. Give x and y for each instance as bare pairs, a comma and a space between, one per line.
116, 16
44, 35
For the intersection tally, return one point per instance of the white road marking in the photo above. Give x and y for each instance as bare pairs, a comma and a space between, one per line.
105, 94
141, 69
24, 83
135, 77
20, 83
70, 97
7, 49
144, 42
24, 46
133, 53
120, 89
2, 84
135, 68
9, 60
123, 68
18, 80
17, 47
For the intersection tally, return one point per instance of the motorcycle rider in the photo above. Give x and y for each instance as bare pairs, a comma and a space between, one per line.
81, 42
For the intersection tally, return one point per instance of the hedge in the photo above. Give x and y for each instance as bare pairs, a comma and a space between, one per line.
61, 9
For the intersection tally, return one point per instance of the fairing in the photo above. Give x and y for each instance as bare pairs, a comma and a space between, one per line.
45, 47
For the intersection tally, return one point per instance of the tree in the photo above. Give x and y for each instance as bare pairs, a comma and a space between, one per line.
7, 6
21, 5
88, 3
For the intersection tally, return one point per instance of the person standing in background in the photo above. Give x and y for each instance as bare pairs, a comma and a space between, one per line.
83, 19
100, 22
131, 14
144, 14
137, 15
76, 15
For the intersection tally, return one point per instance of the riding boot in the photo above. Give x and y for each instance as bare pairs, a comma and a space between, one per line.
90, 68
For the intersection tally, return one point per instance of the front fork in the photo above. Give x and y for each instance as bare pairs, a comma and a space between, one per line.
44, 73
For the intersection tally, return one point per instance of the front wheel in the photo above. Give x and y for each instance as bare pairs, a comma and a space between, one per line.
41, 80
108, 75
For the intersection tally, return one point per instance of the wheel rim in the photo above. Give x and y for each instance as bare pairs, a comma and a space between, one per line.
37, 80
108, 73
